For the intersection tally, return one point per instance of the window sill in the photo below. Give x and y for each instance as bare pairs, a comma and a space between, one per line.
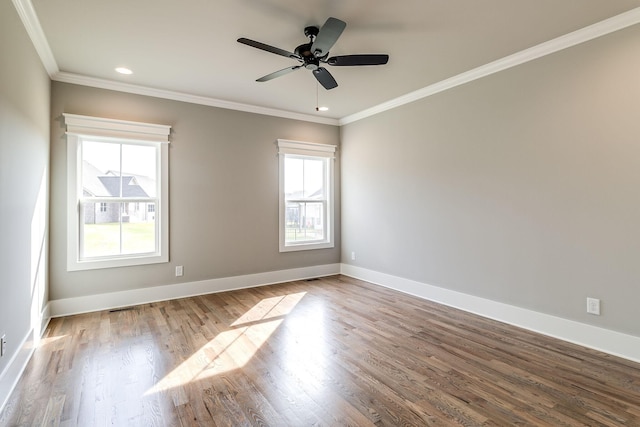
95, 264
305, 246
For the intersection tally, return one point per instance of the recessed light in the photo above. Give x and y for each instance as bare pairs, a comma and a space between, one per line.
123, 70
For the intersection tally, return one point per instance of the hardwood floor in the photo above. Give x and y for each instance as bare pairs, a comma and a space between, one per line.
334, 351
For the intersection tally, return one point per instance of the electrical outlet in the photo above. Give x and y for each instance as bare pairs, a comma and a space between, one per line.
353, 256
593, 306
3, 345
179, 270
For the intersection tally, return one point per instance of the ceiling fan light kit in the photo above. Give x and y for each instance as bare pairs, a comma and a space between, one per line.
315, 53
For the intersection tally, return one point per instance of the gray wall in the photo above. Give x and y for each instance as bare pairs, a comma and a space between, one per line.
223, 185
24, 177
521, 187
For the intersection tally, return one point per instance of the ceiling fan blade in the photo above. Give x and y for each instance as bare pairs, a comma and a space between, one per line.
325, 78
268, 48
349, 60
278, 73
327, 36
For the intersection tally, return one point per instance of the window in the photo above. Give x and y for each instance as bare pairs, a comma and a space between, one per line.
117, 193
306, 195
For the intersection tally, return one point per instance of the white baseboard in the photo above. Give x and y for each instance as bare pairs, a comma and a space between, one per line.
612, 342
12, 373
605, 340
89, 303
69, 306
16, 366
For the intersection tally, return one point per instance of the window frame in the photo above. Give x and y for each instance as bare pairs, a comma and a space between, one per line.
300, 149
80, 128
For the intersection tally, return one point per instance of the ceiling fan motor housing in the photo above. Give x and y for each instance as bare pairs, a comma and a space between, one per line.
309, 59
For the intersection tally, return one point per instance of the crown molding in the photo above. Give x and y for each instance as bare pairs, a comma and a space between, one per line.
599, 29
78, 79
31, 23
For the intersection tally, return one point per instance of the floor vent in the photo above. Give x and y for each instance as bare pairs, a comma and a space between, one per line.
115, 310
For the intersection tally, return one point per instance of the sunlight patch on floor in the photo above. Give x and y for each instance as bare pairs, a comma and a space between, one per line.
234, 348
46, 341
269, 308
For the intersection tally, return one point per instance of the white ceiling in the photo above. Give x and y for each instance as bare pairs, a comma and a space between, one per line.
189, 47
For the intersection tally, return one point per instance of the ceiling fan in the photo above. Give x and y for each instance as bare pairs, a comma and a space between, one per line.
315, 53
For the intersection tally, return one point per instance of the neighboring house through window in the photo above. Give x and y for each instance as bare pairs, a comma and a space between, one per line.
117, 193
306, 195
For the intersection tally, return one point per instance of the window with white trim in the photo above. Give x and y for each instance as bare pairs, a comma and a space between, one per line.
117, 193
306, 195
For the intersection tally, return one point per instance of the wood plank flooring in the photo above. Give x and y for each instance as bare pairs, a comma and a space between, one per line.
329, 352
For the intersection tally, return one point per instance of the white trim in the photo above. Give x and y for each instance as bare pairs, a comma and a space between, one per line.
116, 128
12, 373
286, 146
77, 79
615, 343
574, 38
69, 306
90, 303
74, 178
313, 150
120, 131
608, 341
32, 24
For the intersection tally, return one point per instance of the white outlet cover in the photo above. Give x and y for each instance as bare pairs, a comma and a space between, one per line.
593, 306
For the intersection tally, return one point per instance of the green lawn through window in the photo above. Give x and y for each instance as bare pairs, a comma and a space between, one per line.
104, 239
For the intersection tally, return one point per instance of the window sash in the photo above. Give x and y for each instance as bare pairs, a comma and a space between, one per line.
324, 230
122, 254
304, 200
87, 200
